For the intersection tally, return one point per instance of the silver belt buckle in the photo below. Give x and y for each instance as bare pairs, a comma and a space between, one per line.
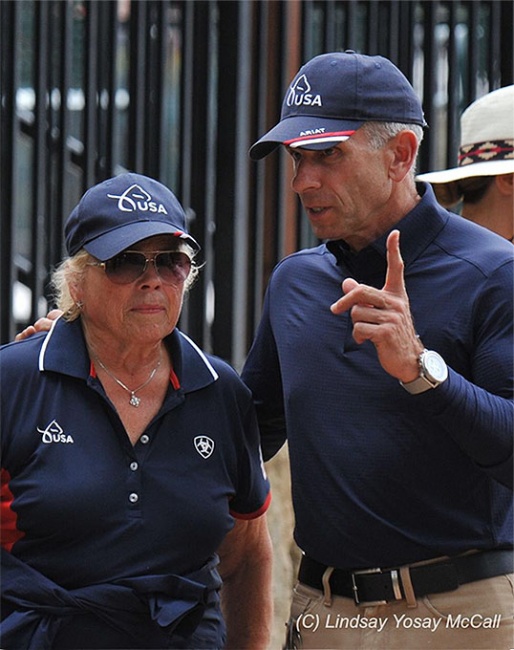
370, 603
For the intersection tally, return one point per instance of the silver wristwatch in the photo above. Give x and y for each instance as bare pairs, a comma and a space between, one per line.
433, 371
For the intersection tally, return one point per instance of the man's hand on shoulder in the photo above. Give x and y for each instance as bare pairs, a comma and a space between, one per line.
41, 325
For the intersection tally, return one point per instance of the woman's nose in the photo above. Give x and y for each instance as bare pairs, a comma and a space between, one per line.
151, 274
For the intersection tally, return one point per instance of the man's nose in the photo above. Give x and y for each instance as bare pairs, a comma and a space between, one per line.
305, 177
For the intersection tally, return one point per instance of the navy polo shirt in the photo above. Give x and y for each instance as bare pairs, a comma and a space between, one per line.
81, 504
380, 477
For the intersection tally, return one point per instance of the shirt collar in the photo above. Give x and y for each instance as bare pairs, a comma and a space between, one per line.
418, 229
64, 351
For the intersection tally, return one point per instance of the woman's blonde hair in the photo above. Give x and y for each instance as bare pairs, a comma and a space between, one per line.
71, 272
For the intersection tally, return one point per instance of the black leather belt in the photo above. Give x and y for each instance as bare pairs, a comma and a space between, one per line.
384, 585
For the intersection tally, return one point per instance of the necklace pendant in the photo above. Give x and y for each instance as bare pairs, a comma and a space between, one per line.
134, 401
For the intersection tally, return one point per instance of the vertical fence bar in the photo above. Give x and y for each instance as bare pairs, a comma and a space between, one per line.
241, 217
90, 90
473, 50
137, 84
106, 91
506, 60
290, 216
494, 43
429, 150
351, 25
229, 24
330, 26
187, 13
405, 25
207, 189
373, 27
198, 169
263, 99
454, 101
40, 180
394, 32
154, 79
9, 15
65, 48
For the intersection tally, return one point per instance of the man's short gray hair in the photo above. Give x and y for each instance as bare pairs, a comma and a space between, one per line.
379, 133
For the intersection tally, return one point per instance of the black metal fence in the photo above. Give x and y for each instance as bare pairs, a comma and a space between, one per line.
179, 90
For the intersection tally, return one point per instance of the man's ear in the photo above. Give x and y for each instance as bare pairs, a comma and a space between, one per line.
404, 149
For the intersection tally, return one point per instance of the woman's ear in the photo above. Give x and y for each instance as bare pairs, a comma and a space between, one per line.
74, 290
74, 286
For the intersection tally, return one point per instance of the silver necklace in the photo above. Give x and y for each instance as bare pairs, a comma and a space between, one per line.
134, 400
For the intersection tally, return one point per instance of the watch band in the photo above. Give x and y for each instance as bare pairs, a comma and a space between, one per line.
419, 385
431, 375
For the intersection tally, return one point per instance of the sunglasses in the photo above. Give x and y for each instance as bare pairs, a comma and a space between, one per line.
171, 266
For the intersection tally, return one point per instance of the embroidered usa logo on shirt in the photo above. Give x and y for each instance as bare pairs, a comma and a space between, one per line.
54, 433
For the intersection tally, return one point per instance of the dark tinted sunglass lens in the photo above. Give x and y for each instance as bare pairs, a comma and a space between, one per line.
173, 267
125, 268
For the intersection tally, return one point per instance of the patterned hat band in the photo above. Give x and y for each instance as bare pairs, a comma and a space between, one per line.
486, 152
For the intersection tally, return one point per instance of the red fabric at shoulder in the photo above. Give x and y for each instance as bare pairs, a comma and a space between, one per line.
253, 515
9, 534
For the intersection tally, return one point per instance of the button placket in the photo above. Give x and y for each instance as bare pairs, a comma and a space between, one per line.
135, 462
134, 479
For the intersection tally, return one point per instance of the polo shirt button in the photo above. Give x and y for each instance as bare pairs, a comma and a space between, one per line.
134, 466
133, 497
144, 439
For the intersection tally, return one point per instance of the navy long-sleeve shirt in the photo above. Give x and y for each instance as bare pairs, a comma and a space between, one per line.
381, 477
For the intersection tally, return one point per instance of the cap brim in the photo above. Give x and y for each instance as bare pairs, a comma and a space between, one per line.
491, 168
309, 132
119, 239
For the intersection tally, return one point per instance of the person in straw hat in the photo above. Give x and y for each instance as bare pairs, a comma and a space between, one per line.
484, 177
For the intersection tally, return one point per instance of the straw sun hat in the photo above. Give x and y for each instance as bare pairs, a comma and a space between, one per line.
486, 145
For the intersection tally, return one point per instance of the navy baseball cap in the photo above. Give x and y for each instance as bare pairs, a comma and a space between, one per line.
121, 211
333, 95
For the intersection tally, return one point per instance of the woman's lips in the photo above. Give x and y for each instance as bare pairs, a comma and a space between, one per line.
148, 309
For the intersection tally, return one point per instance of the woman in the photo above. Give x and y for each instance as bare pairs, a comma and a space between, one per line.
130, 458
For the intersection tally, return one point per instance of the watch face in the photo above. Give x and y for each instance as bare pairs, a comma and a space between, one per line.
435, 366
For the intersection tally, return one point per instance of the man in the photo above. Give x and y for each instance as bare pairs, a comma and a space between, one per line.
396, 398
483, 180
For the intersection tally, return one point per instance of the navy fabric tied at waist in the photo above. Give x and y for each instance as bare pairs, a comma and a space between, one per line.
175, 603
